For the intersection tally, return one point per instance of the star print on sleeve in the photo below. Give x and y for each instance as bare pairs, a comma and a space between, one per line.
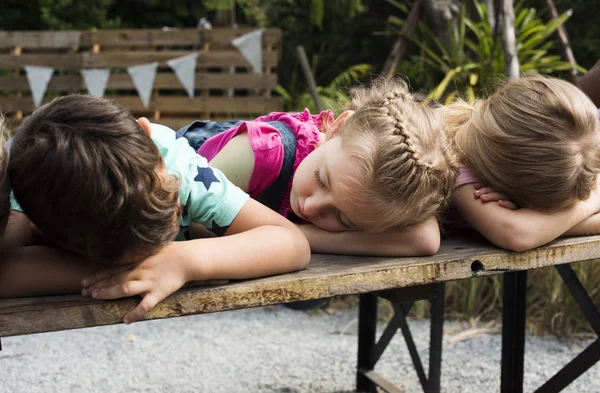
217, 230
206, 176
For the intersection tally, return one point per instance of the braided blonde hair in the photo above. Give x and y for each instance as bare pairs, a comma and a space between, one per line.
536, 139
407, 170
4, 183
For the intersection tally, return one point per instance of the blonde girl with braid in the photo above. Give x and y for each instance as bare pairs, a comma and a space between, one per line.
368, 182
530, 156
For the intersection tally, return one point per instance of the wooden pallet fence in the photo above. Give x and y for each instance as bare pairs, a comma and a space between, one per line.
218, 93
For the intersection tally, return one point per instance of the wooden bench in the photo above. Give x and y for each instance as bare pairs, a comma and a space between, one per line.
219, 94
401, 280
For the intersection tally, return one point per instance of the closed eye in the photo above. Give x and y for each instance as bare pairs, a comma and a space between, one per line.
318, 177
341, 221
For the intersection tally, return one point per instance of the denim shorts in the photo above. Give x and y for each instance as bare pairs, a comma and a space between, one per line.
199, 131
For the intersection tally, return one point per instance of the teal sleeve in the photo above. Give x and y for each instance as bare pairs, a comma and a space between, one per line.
14, 205
207, 196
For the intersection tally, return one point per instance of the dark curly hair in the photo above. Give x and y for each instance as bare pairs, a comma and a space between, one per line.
90, 179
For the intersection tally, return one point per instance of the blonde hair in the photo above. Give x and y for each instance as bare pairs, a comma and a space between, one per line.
536, 140
406, 169
4, 183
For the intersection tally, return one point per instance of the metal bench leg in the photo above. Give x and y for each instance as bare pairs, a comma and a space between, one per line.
370, 351
513, 331
367, 326
591, 355
435, 341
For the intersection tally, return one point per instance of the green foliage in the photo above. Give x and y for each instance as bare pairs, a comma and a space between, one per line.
583, 29
474, 58
75, 14
334, 96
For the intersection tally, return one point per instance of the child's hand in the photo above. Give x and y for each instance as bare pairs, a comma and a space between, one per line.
486, 194
153, 279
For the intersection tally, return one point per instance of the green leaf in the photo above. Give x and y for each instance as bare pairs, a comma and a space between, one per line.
399, 5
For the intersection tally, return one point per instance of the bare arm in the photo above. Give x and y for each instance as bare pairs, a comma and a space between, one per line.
591, 226
38, 270
590, 84
419, 240
19, 232
259, 242
521, 229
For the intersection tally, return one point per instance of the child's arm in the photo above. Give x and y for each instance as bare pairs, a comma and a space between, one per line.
19, 231
590, 84
419, 240
38, 270
260, 242
591, 226
521, 229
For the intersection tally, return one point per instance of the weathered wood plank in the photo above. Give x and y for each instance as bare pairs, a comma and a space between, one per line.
164, 80
218, 38
39, 39
120, 59
328, 275
183, 105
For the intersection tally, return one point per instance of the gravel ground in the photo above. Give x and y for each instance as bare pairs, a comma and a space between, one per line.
272, 349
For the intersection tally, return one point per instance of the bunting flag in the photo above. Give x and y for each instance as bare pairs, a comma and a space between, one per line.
95, 80
185, 69
143, 78
250, 45
38, 78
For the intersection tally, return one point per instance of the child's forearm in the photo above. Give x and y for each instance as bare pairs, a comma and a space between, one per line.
419, 240
521, 229
591, 226
19, 232
262, 251
37, 270
531, 228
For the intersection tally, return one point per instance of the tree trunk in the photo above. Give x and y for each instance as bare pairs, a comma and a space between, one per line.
442, 14
399, 47
507, 15
491, 15
565, 46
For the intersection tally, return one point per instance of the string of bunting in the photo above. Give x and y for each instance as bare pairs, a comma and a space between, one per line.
143, 75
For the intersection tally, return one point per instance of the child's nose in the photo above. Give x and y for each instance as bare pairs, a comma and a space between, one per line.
315, 206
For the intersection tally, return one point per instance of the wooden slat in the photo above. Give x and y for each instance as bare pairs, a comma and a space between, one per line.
218, 38
327, 275
182, 105
76, 61
68, 61
39, 39
164, 80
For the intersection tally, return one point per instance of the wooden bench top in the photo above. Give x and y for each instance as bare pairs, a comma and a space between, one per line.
328, 275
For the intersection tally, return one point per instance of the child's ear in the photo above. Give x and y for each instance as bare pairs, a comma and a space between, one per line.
145, 124
337, 124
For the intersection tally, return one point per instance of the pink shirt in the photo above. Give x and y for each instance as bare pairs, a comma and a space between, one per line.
465, 176
268, 148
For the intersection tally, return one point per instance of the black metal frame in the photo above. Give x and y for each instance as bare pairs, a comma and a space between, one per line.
369, 351
513, 333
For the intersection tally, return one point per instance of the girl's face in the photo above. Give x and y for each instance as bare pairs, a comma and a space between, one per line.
322, 191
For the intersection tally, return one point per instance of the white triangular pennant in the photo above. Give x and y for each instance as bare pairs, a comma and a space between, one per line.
95, 80
185, 69
38, 78
250, 45
143, 78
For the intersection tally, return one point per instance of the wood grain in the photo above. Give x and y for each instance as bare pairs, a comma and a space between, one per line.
327, 275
